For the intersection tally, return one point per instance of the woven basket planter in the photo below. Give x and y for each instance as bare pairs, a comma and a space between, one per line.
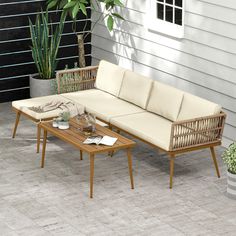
231, 187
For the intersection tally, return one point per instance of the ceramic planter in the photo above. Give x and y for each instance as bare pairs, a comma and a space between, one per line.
231, 187
40, 87
63, 125
58, 123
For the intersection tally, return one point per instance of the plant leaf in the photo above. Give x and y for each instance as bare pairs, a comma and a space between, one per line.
75, 11
118, 16
118, 3
62, 3
110, 23
52, 4
70, 4
83, 8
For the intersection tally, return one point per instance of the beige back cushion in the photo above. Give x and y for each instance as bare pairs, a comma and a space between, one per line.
195, 107
136, 89
109, 77
165, 101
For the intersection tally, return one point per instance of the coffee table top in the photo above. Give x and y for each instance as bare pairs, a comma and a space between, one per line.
76, 137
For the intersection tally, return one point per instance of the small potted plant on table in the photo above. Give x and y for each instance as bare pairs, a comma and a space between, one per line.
62, 122
229, 158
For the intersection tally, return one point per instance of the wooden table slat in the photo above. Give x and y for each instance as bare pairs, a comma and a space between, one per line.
75, 137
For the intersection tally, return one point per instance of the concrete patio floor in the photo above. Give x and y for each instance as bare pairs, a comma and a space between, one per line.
55, 200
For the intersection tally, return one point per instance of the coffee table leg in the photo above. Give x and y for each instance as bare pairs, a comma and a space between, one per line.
91, 174
44, 147
130, 168
81, 155
38, 137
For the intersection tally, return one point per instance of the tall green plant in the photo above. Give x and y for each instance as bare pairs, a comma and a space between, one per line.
45, 44
73, 7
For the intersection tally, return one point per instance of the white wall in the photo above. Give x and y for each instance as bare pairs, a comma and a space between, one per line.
203, 63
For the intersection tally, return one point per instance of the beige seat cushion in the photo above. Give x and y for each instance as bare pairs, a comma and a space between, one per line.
102, 104
136, 88
148, 126
195, 107
165, 101
23, 105
109, 77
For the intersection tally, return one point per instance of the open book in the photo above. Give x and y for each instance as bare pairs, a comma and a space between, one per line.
98, 139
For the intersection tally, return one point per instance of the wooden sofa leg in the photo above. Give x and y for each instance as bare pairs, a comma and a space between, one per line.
215, 161
112, 153
172, 162
38, 137
18, 113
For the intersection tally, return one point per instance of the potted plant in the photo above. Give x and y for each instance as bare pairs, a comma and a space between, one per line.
45, 44
63, 120
74, 7
229, 158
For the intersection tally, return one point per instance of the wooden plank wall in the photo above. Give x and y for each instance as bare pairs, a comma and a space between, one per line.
203, 63
15, 55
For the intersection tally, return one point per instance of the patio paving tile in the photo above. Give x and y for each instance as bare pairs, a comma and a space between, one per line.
55, 201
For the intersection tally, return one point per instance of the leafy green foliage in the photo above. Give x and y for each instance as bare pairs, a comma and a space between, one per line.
110, 23
45, 44
65, 116
118, 16
229, 158
73, 7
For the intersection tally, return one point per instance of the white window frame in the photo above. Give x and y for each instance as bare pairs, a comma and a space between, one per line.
162, 26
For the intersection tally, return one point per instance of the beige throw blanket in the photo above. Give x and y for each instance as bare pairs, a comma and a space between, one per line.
62, 106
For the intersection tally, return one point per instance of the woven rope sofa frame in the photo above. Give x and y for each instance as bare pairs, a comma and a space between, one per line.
87, 78
186, 136
76, 79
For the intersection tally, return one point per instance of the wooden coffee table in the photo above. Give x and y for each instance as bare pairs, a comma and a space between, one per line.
76, 138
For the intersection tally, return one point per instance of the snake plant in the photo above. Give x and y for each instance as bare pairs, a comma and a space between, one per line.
45, 43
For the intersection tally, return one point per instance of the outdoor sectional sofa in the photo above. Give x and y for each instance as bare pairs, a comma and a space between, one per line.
158, 114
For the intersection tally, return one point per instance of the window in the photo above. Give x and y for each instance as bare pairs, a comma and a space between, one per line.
167, 17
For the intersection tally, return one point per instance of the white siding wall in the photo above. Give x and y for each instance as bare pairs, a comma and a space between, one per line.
203, 63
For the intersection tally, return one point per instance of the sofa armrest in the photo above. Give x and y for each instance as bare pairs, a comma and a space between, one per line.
71, 80
197, 132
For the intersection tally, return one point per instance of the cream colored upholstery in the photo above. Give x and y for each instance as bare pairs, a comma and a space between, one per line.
102, 104
165, 100
23, 105
109, 77
195, 107
136, 88
148, 126
142, 107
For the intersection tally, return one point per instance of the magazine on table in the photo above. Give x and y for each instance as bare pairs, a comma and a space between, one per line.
99, 139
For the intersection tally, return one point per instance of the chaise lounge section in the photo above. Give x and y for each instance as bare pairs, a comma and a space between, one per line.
158, 114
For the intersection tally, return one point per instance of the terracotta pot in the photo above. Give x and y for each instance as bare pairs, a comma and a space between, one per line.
231, 187
40, 87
